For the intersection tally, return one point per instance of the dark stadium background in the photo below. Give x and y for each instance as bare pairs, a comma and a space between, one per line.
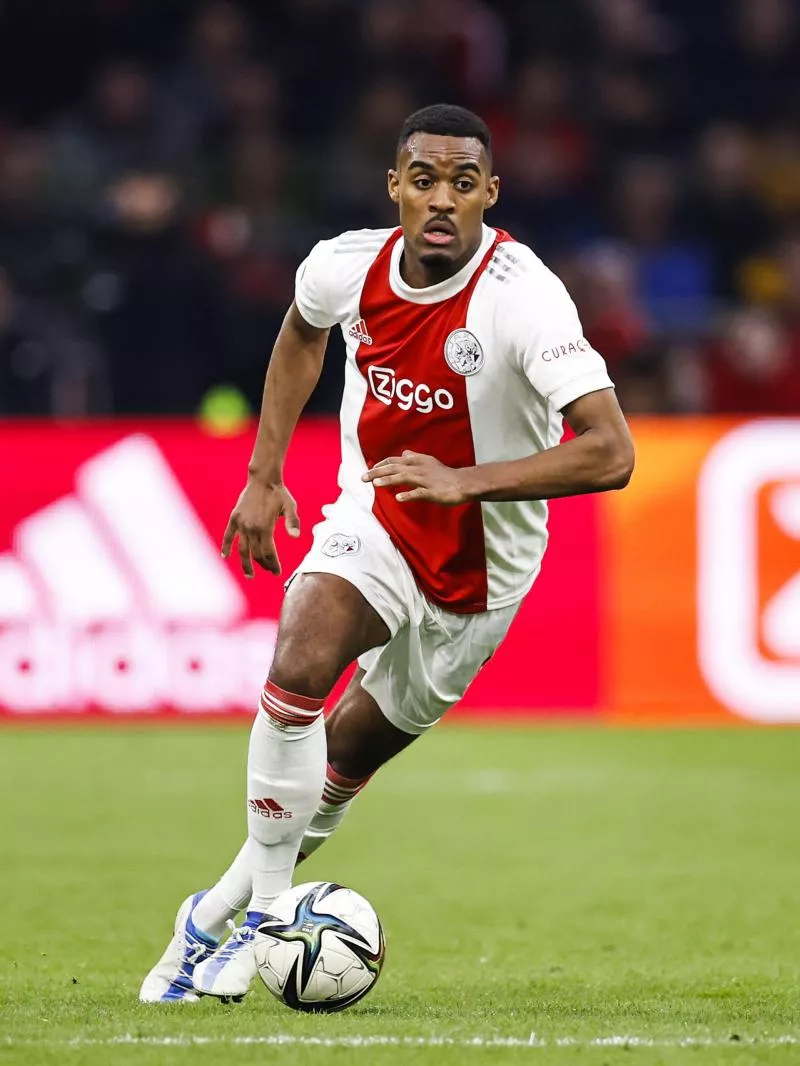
164, 166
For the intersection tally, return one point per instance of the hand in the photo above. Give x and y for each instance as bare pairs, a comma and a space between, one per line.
253, 522
430, 479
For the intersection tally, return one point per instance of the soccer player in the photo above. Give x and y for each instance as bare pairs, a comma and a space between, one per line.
463, 353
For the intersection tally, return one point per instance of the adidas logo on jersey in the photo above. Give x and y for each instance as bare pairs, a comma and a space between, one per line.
359, 331
114, 597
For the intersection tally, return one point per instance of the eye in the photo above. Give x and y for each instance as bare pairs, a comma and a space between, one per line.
423, 182
464, 185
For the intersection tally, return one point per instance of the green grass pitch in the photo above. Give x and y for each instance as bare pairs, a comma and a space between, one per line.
550, 895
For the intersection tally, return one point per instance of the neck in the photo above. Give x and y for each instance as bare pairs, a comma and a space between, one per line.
421, 275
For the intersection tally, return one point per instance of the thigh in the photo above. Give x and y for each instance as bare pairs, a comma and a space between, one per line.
360, 736
325, 624
350, 594
425, 669
352, 544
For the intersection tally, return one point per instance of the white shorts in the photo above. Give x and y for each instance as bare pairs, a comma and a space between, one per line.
432, 655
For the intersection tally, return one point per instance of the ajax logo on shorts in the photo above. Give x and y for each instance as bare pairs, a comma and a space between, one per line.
389, 389
341, 544
463, 352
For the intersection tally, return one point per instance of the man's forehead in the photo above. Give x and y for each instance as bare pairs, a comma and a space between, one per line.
442, 150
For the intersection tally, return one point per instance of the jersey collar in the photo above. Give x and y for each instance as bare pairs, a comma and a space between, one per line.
444, 289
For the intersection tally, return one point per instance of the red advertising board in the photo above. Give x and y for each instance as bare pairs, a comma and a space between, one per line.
677, 599
114, 599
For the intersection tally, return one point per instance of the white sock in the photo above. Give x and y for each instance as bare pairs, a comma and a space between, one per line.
228, 896
337, 796
285, 777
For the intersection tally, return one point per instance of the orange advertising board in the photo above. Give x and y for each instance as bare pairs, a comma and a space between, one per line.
701, 589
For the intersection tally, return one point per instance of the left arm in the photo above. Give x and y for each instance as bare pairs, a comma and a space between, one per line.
598, 458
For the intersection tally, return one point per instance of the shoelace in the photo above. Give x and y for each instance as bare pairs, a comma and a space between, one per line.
194, 950
240, 934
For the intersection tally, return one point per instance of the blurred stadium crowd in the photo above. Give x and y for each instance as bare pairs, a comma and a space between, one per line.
165, 165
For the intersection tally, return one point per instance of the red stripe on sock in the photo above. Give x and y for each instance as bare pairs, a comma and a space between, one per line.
345, 782
269, 703
343, 788
286, 708
302, 703
276, 714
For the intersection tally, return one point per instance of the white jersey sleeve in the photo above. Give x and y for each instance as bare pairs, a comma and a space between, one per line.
315, 286
546, 339
329, 281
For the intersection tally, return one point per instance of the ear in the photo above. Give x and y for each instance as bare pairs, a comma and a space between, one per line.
492, 192
394, 186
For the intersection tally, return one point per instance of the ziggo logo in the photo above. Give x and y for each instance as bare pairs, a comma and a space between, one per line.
388, 388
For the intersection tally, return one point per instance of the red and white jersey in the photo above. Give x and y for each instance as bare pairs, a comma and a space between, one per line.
475, 369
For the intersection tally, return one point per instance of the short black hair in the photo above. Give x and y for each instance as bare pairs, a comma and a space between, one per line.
446, 120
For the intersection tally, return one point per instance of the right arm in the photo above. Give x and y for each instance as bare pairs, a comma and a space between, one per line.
293, 372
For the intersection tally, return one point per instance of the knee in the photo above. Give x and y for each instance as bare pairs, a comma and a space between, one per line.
353, 768
302, 673
300, 683
346, 756
341, 761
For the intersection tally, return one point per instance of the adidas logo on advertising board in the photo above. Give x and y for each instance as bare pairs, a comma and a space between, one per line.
115, 597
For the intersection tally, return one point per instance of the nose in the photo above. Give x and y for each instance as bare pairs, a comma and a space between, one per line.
442, 200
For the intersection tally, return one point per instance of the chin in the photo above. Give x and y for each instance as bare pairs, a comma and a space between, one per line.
439, 257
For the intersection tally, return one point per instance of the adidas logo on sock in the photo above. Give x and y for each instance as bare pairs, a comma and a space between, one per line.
359, 331
268, 808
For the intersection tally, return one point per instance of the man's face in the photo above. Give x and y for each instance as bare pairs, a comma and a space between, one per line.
442, 186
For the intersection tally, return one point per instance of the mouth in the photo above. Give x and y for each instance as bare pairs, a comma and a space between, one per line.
439, 234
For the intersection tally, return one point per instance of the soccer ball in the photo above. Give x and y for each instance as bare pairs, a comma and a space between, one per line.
322, 949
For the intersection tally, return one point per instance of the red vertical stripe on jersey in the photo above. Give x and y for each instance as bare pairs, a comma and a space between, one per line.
408, 406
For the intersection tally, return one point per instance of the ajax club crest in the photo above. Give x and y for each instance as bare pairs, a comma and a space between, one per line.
341, 544
463, 352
